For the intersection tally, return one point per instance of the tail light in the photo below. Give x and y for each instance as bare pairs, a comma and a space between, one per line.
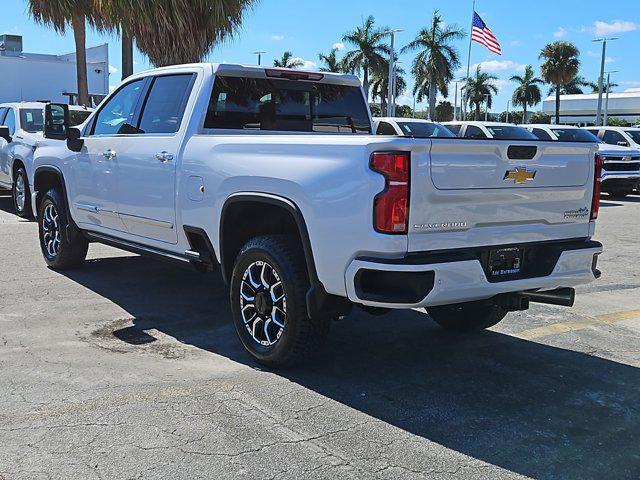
391, 206
597, 183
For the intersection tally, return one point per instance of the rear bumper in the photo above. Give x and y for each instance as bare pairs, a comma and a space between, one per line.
441, 278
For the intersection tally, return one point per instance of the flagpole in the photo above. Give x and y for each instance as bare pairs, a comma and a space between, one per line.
464, 104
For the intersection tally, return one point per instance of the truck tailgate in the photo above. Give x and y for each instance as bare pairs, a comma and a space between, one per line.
498, 192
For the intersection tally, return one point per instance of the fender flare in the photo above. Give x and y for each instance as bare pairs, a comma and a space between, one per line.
73, 229
319, 302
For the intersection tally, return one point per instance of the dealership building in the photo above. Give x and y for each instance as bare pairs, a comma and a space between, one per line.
582, 109
34, 76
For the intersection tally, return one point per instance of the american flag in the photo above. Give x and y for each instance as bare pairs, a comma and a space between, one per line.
480, 33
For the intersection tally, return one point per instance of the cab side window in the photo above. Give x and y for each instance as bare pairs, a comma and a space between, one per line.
10, 121
614, 138
385, 128
3, 110
165, 104
474, 132
117, 115
541, 134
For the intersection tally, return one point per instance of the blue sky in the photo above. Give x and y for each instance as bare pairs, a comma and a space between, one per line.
308, 27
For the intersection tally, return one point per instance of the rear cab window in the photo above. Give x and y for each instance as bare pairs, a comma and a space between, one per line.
474, 132
574, 135
541, 134
242, 103
424, 129
385, 128
455, 129
634, 134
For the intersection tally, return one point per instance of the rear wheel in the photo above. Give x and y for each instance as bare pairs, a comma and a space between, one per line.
467, 317
21, 194
58, 249
268, 300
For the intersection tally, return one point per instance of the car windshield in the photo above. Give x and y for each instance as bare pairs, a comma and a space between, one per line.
507, 132
634, 134
574, 135
32, 119
424, 129
77, 117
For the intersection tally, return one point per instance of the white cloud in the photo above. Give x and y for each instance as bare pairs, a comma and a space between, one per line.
307, 64
503, 84
277, 38
632, 90
633, 83
338, 46
617, 26
499, 65
112, 69
560, 32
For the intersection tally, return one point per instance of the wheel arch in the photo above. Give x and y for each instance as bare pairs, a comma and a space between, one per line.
290, 216
47, 177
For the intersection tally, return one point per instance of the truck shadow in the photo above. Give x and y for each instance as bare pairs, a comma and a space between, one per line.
533, 409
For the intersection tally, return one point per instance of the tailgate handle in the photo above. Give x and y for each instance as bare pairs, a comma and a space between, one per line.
521, 152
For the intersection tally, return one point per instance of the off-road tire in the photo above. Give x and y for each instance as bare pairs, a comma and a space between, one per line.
467, 317
66, 252
301, 337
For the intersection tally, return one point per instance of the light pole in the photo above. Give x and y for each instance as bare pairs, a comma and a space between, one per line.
486, 107
455, 104
507, 119
606, 101
259, 54
390, 81
601, 78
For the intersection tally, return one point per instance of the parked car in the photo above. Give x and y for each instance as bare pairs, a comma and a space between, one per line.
274, 177
22, 133
620, 165
496, 130
409, 127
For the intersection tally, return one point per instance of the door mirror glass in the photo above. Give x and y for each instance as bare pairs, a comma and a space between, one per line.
74, 140
56, 121
4, 133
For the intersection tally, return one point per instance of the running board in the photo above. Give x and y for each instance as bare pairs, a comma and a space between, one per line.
134, 247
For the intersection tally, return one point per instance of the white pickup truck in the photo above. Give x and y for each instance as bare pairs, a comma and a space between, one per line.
274, 177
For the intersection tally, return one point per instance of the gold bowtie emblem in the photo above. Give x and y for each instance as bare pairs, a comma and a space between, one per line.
519, 175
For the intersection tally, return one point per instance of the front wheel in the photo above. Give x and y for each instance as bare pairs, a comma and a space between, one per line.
268, 290
59, 250
467, 317
21, 194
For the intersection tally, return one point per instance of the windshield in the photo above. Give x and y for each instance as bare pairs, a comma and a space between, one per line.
32, 119
634, 134
574, 135
508, 132
424, 129
77, 117
286, 105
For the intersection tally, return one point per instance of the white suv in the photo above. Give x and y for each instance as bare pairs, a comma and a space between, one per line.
495, 130
20, 134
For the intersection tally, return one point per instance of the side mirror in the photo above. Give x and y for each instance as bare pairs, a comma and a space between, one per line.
4, 133
622, 143
74, 140
56, 121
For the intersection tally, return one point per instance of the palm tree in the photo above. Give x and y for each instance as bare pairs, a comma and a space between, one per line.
173, 31
331, 62
64, 14
575, 86
369, 52
527, 92
288, 61
560, 65
436, 60
380, 84
481, 89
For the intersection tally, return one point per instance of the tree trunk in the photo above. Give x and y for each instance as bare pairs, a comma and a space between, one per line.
524, 113
365, 81
477, 114
79, 34
432, 101
557, 104
127, 55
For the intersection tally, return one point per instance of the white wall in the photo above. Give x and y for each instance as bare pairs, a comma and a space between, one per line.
45, 77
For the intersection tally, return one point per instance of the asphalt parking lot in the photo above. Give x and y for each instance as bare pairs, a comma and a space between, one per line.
130, 368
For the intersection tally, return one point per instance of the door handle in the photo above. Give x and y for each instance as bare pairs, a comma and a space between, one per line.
109, 154
164, 156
